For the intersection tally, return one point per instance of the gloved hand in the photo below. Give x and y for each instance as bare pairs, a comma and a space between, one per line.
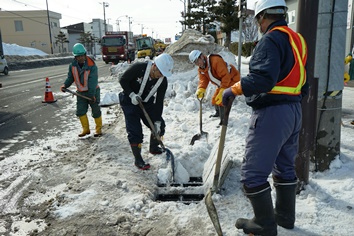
200, 93
218, 98
157, 125
348, 59
135, 98
93, 100
227, 95
62, 88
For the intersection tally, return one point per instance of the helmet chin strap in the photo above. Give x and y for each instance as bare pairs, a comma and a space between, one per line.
204, 62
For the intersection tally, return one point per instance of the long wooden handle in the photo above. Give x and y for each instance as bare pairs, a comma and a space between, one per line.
77, 94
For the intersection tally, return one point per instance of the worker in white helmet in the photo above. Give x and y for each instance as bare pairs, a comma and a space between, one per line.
274, 87
145, 81
213, 69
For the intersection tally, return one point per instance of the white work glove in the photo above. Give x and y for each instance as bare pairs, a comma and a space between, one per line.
135, 98
157, 125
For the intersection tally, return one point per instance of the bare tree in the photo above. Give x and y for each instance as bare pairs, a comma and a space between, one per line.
250, 29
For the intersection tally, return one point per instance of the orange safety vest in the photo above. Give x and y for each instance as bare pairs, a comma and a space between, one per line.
81, 87
296, 78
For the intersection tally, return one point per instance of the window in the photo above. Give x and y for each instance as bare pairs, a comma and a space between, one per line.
18, 25
291, 17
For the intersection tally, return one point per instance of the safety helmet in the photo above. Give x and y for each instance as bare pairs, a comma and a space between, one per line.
164, 63
262, 5
79, 50
193, 56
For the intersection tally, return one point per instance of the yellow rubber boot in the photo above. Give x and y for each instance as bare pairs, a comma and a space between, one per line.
85, 125
98, 122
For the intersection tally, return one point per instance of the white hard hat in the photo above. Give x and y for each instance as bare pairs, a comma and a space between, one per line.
164, 63
262, 5
194, 55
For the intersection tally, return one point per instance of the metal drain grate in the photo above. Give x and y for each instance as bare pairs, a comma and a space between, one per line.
187, 193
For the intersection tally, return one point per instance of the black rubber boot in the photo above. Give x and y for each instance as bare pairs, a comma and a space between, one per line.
285, 203
139, 162
263, 222
216, 112
154, 146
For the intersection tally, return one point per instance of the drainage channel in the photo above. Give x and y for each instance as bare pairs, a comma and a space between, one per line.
187, 193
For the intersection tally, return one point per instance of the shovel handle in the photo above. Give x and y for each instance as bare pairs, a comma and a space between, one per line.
224, 123
152, 127
77, 94
200, 113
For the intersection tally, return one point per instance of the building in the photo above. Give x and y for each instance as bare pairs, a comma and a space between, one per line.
31, 29
75, 31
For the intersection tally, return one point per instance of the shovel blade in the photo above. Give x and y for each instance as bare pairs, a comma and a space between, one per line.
195, 138
213, 214
198, 137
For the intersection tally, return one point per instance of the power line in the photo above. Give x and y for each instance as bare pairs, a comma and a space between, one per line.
28, 18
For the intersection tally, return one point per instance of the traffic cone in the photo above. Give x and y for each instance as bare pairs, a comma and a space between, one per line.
48, 95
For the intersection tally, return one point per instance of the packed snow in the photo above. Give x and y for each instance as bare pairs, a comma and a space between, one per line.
14, 49
110, 186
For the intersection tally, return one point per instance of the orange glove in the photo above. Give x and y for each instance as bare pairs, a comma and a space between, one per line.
218, 98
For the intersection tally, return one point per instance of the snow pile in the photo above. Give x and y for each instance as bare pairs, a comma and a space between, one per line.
14, 49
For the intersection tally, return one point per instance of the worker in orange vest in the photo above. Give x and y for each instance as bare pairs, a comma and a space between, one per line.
83, 72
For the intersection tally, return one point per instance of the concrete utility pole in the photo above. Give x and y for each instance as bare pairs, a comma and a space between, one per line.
105, 4
307, 27
50, 30
330, 53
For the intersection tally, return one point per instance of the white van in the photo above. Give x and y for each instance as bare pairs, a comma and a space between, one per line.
4, 68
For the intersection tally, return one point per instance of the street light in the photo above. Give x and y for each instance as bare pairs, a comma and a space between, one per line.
184, 13
104, 4
117, 21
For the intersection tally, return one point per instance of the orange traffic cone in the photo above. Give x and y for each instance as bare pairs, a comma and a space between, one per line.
48, 95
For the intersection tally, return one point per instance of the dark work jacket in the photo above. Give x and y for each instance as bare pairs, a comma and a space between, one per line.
132, 79
271, 62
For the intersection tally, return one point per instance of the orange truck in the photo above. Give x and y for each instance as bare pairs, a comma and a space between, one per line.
117, 46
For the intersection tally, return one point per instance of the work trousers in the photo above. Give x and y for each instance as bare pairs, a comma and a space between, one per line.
271, 144
82, 105
134, 115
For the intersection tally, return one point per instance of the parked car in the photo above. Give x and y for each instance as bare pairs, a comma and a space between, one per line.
4, 68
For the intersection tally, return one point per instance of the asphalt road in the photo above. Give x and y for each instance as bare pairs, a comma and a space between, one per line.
24, 117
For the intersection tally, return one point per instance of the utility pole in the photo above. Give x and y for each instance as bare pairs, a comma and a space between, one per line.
50, 30
307, 27
330, 49
104, 4
129, 21
242, 8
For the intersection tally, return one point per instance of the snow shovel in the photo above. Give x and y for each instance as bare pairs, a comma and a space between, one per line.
202, 133
213, 214
77, 94
169, 154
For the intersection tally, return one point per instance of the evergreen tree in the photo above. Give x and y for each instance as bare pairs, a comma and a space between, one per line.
87, 40
61, 39
226, 13
199, 15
